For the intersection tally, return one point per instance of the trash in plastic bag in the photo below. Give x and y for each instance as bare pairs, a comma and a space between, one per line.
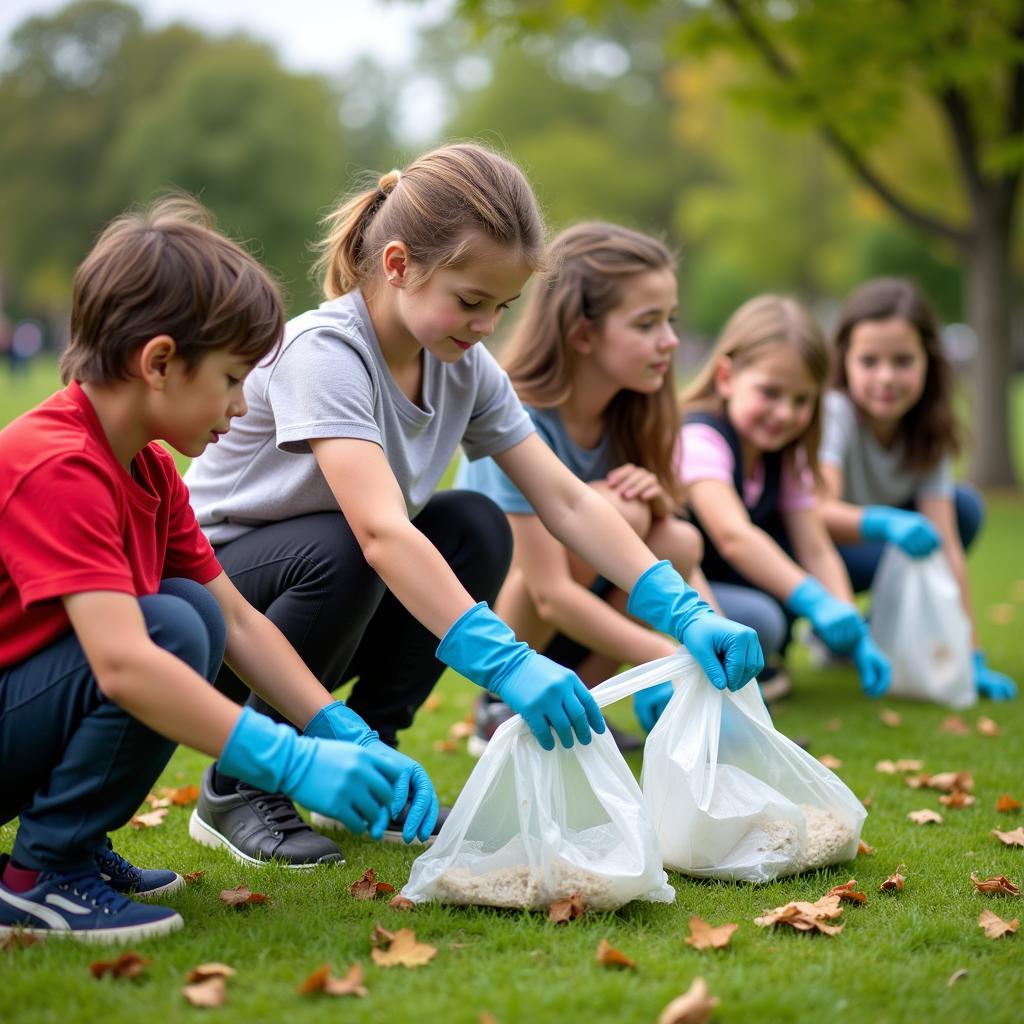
918, 621
731, 797
533, 826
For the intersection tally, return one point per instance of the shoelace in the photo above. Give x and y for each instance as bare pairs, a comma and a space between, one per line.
89, 887
112, 863
277, 811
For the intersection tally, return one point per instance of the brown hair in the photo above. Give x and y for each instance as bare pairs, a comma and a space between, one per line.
166, 270
759, 324
435, 206
929, 430
591, 265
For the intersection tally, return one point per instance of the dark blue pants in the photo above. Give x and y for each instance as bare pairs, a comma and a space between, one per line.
862, 559
75, 765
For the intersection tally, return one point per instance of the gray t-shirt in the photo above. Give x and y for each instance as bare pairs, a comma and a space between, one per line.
587, 463
873, 475
330, 380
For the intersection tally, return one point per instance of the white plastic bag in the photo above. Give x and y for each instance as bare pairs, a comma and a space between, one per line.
533, 826
918, 621
733, 798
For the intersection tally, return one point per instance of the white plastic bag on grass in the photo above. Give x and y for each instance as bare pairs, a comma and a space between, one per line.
918, 621
533, 826
733, 798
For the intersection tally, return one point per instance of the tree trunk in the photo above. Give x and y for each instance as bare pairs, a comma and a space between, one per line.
986, 261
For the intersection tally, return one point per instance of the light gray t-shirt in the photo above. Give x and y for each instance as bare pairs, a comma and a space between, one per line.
873, 475
330, 380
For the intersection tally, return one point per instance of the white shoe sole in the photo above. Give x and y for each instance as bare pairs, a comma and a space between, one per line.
475, 745
206, 835
318, 820
103, 935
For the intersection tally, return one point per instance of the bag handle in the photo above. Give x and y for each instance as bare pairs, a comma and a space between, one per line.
640, 678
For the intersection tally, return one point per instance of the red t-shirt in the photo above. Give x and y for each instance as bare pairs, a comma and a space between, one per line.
73, 520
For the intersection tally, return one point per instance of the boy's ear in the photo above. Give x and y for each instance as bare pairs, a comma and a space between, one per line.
154, 360
723, 376
395, 262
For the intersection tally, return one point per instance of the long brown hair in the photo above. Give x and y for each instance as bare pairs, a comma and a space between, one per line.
759, 324
441, 204
590, 266
929, 431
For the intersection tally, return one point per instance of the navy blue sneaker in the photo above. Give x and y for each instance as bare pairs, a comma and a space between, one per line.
80, 905
127, 879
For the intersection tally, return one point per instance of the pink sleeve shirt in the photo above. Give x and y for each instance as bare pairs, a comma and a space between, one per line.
706, 455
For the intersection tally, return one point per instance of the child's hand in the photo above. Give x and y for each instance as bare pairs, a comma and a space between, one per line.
990, 683
838, 623
912, 532
650, 703
635, 482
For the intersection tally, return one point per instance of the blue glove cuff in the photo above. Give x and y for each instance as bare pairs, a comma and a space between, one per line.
479, 646
805, 595
873, 523
258, 751
664, 600
337, 721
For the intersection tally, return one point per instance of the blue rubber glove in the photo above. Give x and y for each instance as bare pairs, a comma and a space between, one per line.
339, 779
650, 703
481, 647
911, 531
337, 721
729, 653
873, 666
990, 683
838, 623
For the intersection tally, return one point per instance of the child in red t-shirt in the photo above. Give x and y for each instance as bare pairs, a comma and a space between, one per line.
115, 615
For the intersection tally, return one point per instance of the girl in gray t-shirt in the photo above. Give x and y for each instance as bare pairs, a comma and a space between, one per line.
890, 434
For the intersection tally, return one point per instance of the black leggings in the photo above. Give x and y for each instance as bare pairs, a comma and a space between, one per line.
309, 577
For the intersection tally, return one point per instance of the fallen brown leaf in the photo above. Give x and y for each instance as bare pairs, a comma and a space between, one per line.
214, 970
694, 1006
150, 819
705, 936
955, 726
486, 1018
830, 761
433, 702
894, 883
1014, 838
863, 848
867, 801
193, 876
834, 724
1001, 614
956, 976
886, 767
17, 940
804, 916
322, 981
128, 965
609, 956
445, 746
368, 888
988, 727
380, 936
1006, 803
460, 730
997, 884
401, 902
848, 891
890, 718
403, 951
564, 911
240, 896
180, 796
995, 927
210, 993
157, 802
909, 764
945, 782
925, 817
957, 799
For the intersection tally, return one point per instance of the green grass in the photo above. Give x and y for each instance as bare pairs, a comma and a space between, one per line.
890, 964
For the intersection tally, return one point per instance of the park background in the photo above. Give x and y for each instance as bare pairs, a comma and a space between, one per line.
787, 146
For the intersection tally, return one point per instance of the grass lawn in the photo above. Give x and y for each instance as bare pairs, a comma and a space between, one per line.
890, 964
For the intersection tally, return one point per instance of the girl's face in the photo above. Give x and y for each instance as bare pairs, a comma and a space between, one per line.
633, 347
886, 368
456, 307
770, 402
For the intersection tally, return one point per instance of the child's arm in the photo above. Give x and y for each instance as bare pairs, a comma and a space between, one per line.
814, 551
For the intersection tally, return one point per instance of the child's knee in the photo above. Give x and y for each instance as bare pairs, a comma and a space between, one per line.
678, 541
637, 513
185, 620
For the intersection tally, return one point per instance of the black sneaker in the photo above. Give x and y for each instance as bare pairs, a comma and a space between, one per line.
126, 878
393, 832
255, 827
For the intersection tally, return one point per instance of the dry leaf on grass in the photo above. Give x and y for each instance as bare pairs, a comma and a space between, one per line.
193, 876
1001, 614
1014, 838
955, 726
445, 746
997, 884
322, 981
460, 730
433, 702
157, 802
694, 1006
863, 848
804, 916
180, 796
705, 936
955, 977
925, 817
894, 883
402, 949
150, 819
214, 970
848, 891
867, 801
17, 940
957, 799
988, 727
486, 1018
401, 902
1006, 803
830, 761
890, 718
609, 956
564, 911
240, 896
995, 927
210, 993
128, 965
368, 888
945, 782
834, 724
